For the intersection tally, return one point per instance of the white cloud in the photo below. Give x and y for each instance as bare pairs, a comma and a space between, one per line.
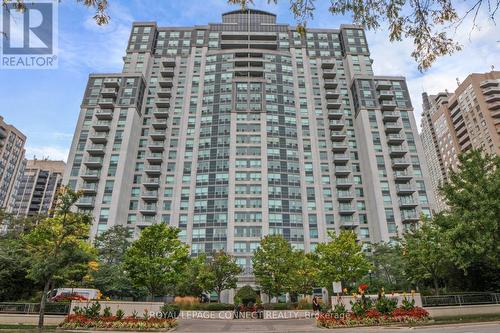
51, 152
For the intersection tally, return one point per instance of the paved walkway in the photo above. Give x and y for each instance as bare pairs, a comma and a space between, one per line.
308, 325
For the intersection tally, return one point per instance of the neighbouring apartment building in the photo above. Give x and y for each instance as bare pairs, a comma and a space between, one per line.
38, 187
12, 162
235, 130
453, 123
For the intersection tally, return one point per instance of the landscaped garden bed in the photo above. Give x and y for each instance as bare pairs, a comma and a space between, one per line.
365, 312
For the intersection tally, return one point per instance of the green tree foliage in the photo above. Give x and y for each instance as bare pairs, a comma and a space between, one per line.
274, 265
388, 267
341, 259
112, 245
219, 273
423, 253
57, 247
305, 277
155, 260
245, 295
190, 283
426, 22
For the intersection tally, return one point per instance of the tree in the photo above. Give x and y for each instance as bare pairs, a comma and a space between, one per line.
424, 21
341, 259
471, 225
155, 260
112, 244
274, 265
57, 247
190, 283
219, 273
388, 267
306, 273
100, 6
245, 295
424, 254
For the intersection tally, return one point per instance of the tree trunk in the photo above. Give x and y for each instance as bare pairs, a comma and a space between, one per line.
42, 304
436, 286
218, 296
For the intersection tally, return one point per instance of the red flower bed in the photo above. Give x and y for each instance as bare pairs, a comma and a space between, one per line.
75, 321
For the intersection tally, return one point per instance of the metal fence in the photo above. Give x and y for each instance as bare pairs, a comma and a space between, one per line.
34, 308
461, 299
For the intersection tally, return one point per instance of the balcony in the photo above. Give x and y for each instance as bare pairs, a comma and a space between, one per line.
397, 151
151, 182
335, 114
383, 85
108, 92
165, 82
393, 127
407, 203
156, 146
390, 116
337, 136
167, 72
404, 189
402, 176
333, 104
89, 188
91, 175
102, 126
112, 82
388, 105
345, 196
344, 183
494, 106
3, 133
336, 124
149, 195
160, 113
153, 170
395, 138
106, 103
332, 94
339, 147
154, 158
162, 102
385, 95
347, 209
157, 135
491, 90
341, 158
409, 217
148, 209
93, 162
96, 149
85, 202
329, 73
400, 163
159, 124
331, 84
164, 93
168, 62
327, 65
342, 170
98, 137
104, 114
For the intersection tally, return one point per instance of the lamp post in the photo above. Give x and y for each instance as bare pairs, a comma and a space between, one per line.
370, 276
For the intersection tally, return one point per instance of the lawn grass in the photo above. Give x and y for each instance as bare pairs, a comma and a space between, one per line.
467, 318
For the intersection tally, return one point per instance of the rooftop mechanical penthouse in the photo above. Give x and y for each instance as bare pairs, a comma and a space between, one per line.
234, 130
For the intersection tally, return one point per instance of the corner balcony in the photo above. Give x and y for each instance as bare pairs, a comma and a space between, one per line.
159, 123
109, 92
331, 84
404, 189
336, 124
395, 139
106, 103
96, 149
383, 85
388, 105
400, 163
104, 114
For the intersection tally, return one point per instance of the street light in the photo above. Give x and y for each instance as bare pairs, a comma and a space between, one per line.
370, 275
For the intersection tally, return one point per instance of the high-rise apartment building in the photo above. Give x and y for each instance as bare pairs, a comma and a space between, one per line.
454, 123
12, 162
38, 187
234, 130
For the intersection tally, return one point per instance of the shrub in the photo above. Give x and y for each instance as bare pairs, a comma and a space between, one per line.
246, 295
171, 310
119, 314
187, 302
386, 305
407, 304
218, 307
279, 306
107, 312
360, 306
339, 310
304, 304
92, 311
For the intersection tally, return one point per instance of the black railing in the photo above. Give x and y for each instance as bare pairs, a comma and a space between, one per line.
461, 299
34, 308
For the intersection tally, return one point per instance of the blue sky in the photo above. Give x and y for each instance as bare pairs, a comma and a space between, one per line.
44, 104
